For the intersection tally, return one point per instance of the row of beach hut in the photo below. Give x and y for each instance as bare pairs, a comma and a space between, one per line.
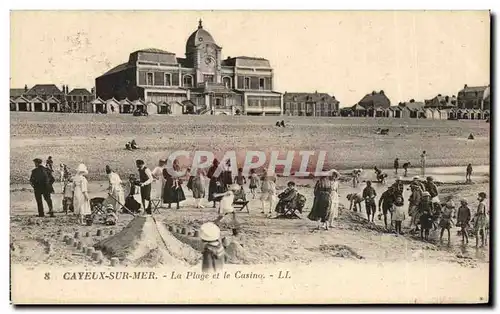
110, 106
416, 113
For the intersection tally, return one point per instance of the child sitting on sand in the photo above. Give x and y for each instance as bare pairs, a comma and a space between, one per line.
213, 251
111, 217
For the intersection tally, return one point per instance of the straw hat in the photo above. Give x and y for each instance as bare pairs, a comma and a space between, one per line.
464, 201
209, 232
234, 187
399, 179
482, 195
334, 172
416, 178
426, 194
430, 178
82, 168
450, 204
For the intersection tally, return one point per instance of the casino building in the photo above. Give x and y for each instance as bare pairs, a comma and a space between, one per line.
201, 83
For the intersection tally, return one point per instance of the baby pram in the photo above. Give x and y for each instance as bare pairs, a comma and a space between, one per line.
97, 210
290, 204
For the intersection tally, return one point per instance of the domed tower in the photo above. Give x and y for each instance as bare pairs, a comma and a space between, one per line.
204, 55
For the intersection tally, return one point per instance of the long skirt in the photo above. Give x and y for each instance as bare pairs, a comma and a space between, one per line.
214, 188
173, 193
198, 188
321, 207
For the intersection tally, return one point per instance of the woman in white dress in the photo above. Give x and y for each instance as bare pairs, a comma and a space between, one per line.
81, 200
158, 180
334, 212
115, 189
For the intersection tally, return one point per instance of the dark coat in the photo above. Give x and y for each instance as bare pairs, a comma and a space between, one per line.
41, 180
213, 257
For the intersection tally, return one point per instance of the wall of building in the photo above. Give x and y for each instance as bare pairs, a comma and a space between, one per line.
118, 85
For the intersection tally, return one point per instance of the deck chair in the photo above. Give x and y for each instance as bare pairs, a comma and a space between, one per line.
156, 197
240, 201
291, 209
97, 207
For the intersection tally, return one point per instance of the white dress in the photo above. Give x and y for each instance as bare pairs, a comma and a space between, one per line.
268, 189
335, 200
80, 203
157, 185
226, 203
116, 190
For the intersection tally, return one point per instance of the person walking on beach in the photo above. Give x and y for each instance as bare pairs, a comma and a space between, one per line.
480, 219
322, 202
81, 198
41, 180
145, 180
396, 165
463, 219
369, 195
254, 182
468, 174
423, 158
406, 165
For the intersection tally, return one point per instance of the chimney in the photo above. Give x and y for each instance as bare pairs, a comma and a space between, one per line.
465, 86
67, 89
25, 88
315, 92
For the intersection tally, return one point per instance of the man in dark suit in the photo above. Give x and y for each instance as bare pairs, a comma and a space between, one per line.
41, 180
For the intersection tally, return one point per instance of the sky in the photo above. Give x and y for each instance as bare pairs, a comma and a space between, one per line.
408, 54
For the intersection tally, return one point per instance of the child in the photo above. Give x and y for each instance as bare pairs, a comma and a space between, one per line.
398, 213
268, 189
406, 165
213, 252
226, 204
356, 173
425, 224
445, 222
369, 195
240, 180
131, 201
463, 219
198, 187
111, 217
254, 182
68, 196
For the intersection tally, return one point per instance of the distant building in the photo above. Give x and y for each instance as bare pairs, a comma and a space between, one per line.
375, 104
441, 102
212, 84
310, 104
48, 97
474, 97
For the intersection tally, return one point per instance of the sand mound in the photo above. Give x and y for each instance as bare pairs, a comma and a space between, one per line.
236, 254
146, 242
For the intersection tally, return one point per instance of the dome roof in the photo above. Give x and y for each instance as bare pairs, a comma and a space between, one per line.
200, 36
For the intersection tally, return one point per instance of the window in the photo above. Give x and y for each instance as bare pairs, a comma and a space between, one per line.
262, 83
149, 79
188, 81
247, 83
227, 82
168, 79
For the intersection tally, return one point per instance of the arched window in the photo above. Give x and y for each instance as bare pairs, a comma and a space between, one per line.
188, 81
227, 82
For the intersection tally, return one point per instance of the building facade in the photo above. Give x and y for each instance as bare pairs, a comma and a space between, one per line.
49, 98
310, 104
474, 97
213, 85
